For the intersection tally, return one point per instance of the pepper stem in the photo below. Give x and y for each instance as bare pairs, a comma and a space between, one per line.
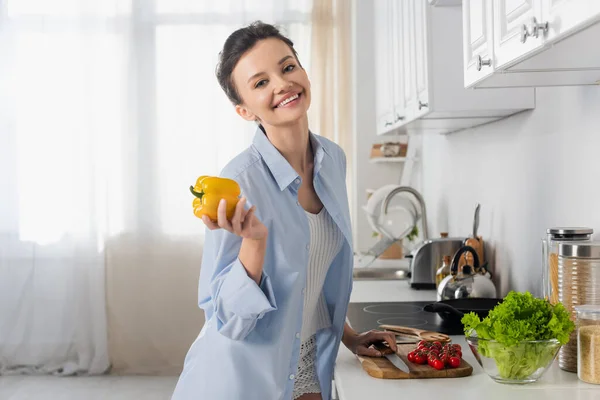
198, 195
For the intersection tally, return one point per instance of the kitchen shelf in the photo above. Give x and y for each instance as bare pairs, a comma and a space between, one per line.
390, 159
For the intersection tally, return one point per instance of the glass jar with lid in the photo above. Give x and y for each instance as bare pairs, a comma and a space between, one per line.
588, 343
554, 237
578, 284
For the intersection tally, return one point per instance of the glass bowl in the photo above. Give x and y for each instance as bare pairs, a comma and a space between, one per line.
524, 362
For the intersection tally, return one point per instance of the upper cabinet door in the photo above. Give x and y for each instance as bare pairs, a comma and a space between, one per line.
564, 15
514, 32
407, 24
384, 112
421, 59
478, 42
397, 65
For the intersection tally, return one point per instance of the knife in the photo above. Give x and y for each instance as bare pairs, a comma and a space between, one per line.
398, 362
393, 357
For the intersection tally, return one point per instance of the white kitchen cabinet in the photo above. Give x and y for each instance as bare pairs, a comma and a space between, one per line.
478, 41
533, 43
564, 16
510, 18
407, 23
384, 62
398, 68
429, 73
418, 11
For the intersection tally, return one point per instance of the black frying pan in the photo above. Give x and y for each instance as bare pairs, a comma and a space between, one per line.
452, 311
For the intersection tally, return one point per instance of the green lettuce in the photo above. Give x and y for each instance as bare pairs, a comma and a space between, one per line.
520, 317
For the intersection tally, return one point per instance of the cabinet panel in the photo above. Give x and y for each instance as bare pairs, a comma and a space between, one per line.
510, 18
477, 40
408, 59
383, 66
566, 15
421, 59
398, 65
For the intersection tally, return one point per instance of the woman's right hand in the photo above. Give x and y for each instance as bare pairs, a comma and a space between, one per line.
244, 223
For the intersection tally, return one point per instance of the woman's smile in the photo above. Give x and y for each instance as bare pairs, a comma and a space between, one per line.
289, 100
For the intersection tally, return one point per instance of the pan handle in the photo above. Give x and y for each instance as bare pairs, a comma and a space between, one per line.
441, 307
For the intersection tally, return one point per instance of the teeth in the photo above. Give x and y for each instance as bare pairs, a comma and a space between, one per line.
283, 103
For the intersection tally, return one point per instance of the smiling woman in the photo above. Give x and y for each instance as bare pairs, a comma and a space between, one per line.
276, 276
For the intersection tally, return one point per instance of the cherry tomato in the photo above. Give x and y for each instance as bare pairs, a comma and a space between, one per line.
454, 362
438, 364
422, 343
445, 359
437, 344
455, 353
411, 356
420, 359
457, 347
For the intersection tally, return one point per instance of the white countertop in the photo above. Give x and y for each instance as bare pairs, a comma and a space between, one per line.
353, 383
387, 291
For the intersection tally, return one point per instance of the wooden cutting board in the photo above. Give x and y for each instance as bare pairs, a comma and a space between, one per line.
381, 367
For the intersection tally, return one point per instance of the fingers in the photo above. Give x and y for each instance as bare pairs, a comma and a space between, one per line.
238, 216
209, 223
222, 216
248, 218
379, 336
368, 351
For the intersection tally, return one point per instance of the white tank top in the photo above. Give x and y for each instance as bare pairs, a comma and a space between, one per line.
325, 243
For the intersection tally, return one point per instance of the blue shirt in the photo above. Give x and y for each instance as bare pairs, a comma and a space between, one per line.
250, 343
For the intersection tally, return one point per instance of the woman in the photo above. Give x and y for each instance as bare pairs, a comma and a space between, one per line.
276, 279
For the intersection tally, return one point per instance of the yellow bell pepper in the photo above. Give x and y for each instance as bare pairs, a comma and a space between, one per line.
208, 192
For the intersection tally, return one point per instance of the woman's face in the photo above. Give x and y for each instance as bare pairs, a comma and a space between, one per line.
273, 87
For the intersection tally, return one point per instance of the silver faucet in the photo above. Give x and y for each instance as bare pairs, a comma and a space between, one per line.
399, 189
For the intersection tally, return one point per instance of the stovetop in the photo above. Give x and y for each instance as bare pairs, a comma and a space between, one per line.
367, 316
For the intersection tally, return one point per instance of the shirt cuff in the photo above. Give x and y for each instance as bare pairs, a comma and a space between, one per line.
245, 298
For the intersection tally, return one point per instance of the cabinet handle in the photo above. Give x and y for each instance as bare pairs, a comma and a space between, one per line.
421, 104
399, 118
388, 123
481, 62
534, 30
524, 33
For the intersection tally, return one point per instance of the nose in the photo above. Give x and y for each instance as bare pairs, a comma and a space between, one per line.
281, 84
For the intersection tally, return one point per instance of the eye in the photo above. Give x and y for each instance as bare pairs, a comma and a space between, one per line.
260, 83
289, 68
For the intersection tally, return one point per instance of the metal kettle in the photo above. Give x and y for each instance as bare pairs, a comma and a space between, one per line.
472, 281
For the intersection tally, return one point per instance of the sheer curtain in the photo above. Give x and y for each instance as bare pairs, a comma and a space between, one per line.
109, 110
331, 76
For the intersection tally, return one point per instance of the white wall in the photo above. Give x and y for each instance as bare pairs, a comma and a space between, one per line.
534, 170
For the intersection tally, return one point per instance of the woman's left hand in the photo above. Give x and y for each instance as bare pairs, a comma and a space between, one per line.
360, 343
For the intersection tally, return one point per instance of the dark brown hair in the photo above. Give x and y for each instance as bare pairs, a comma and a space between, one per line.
236, 45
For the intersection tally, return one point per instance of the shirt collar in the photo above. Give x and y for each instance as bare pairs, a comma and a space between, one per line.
280, 168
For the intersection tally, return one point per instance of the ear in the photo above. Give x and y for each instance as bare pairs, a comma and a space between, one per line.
245, 113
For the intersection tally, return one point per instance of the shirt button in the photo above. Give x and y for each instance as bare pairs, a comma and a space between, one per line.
303, 290
307, 247
292, 376
298, 335
297, 181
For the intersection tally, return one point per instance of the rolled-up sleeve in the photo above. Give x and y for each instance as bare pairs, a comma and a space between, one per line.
227, 292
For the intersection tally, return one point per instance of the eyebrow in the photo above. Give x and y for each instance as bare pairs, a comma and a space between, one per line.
284, 59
